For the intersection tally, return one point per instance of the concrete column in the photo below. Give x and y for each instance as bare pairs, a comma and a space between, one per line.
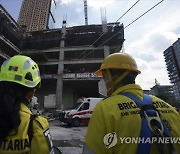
105, 30
59, 88
106, 51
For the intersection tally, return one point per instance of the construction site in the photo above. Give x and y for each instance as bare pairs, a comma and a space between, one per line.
67, 56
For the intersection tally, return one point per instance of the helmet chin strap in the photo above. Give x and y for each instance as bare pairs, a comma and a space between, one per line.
120, 78
113, 84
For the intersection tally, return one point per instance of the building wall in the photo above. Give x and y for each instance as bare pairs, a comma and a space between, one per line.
164, 91
176, 47
68, 97
48, 86
176, 89
172, 58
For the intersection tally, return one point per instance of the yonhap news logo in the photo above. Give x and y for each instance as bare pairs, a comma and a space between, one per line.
149, 140
111, 139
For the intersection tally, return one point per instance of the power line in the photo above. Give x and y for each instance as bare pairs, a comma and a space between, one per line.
127, 11
143, 14
127, 26
109, 28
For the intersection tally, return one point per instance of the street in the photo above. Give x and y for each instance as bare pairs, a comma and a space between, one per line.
69, 140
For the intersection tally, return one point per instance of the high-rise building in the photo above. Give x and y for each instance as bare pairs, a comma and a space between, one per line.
172, 58
37, 15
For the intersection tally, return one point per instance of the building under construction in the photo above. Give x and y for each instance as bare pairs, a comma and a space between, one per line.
67, 57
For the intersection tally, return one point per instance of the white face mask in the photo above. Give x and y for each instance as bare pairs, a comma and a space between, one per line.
102, 87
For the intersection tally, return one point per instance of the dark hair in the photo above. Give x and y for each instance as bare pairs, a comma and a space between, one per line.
129, 79
11, 95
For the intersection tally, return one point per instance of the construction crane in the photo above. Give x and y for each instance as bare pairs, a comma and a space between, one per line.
85, 12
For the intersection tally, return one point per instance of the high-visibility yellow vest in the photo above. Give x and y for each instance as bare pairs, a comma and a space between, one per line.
17, 142
120, 115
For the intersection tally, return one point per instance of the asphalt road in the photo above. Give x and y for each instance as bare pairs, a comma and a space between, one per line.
69, 140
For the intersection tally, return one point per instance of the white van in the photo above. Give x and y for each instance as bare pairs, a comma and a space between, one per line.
81, 113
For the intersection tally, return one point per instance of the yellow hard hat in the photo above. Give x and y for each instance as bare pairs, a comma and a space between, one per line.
22, 70
118, 61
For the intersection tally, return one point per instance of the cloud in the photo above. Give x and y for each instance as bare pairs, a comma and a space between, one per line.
71, 24
79, 10
158, 64
96, 4
150, 72
176, 30
140, 50
64, 2
147, 78
142, 65
148, 52
152, 45
160, 40
90, 3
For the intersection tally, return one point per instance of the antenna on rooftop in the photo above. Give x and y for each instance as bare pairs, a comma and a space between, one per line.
85, 12
156, 82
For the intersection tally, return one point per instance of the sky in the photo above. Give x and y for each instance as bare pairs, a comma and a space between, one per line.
145, 39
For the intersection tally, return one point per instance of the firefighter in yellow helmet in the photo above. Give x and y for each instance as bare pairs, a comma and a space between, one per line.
124, 122
19, 78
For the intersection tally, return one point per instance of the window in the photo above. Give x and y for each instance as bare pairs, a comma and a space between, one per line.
85, 106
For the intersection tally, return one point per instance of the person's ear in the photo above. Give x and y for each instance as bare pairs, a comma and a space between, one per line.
115, 77
30, 94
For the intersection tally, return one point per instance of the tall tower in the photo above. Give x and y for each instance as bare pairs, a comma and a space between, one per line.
37, 15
